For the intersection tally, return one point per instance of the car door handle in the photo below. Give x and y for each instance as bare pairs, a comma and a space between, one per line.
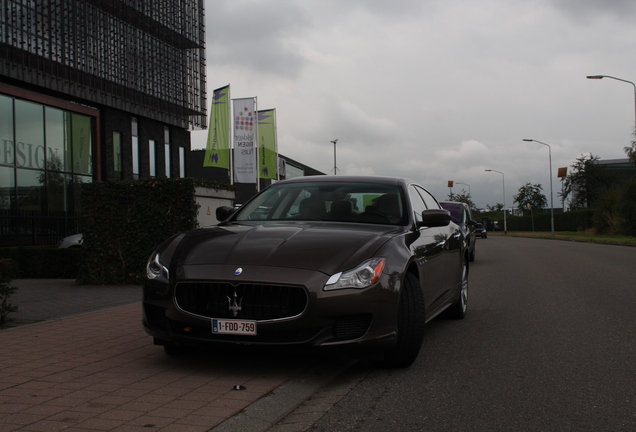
440, 243
457, 235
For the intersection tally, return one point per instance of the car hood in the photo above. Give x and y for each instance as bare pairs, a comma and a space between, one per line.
324, 247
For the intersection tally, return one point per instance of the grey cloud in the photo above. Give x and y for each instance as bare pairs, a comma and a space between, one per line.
255, 35
589, 9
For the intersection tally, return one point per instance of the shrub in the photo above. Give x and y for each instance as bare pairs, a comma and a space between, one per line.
627, 208
608, 218
8, 270
123, 221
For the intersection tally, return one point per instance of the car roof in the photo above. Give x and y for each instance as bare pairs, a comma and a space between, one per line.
453, 203
348, 179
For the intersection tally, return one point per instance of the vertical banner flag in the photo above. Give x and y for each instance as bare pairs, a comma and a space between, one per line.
217, 152
267, 153
244, 137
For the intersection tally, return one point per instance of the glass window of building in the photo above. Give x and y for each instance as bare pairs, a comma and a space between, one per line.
152, 157
167, 159
181, 162
45, 157
30, 188
81, 138
56, 142
29, 135
292, 171
7, 149
7, 155
7, 188
135, 149
117, 163
57, 190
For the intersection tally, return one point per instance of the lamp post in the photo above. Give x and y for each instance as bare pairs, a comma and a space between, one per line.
466, 185
618, 79
335, 167
551, 202
503, 183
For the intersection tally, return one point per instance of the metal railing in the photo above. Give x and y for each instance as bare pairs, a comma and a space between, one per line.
31, 228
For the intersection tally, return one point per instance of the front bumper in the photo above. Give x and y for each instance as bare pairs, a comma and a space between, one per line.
366, 317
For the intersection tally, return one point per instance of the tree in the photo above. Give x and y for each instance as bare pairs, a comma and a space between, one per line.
530, 196
497, 207
631, 150
586, 183
463, 198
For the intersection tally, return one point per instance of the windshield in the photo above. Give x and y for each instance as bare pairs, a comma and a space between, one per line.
333, 201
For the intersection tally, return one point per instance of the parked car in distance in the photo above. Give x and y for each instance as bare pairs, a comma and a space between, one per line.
480, 231
72, 241
462, 216
362, 262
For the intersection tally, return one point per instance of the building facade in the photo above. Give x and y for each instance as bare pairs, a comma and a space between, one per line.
92, 90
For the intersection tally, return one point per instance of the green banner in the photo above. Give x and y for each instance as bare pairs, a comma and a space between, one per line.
217, 152
267, 144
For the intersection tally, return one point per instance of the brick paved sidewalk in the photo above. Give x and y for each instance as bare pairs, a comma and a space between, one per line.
100, 372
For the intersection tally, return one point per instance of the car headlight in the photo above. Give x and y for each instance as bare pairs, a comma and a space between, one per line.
360, 277
156, 270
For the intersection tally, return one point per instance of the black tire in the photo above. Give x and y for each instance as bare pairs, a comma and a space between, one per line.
472, 255
410, 325
460, 307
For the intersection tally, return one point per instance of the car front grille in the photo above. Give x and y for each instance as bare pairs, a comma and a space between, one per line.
244, 301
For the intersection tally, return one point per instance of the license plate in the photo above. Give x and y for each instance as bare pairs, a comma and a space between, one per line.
235, 327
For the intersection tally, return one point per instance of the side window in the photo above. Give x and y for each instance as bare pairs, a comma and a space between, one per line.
417, 203
431, 203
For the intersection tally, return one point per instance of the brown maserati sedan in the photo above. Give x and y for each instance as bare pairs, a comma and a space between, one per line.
323, 260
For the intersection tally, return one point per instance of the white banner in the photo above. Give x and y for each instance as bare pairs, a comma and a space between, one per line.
245, 168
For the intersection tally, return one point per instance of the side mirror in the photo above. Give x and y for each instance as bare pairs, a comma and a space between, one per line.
435, 218
472, 223
223, 213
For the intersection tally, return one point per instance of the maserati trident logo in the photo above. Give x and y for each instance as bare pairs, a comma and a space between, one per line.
234, 305
238, 271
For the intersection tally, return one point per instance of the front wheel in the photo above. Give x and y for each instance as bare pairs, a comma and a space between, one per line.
459, 308
410, 325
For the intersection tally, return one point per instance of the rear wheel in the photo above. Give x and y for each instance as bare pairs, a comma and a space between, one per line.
410, 325
459, 308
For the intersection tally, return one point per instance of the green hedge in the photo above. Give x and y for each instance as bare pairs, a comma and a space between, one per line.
8, 271
124, 221
579, 220
44, 262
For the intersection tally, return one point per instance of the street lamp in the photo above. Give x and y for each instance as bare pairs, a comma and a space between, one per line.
551, 203
335, 167
503, 183
618, 79
466, 185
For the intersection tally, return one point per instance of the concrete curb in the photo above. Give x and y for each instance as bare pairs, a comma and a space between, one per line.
263, 414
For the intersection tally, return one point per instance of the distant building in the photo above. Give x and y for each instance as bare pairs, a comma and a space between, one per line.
92, 90
618, 171
621, 170
287, 168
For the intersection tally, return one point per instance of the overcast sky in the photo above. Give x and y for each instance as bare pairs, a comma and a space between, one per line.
433, 90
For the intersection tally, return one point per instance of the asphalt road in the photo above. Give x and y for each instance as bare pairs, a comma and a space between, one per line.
548, 345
